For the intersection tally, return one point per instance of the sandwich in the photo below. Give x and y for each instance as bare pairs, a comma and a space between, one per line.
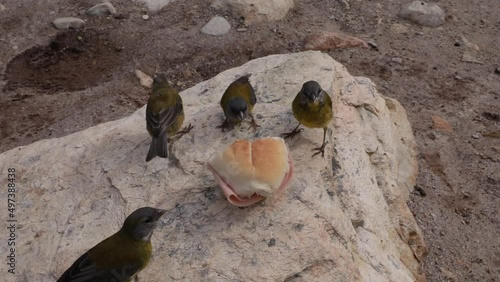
250, 171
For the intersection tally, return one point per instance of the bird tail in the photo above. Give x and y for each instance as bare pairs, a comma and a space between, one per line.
158, 147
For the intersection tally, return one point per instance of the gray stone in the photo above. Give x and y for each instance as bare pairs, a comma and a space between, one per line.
255, 10
155, 5
345, 215
397, 60
217, 26
104, 8
422, 13
145, 80
399, 28
68, 22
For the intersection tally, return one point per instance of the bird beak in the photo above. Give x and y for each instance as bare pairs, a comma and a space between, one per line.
159, 213
242, 116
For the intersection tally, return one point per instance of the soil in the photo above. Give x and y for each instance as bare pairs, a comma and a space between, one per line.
58, 82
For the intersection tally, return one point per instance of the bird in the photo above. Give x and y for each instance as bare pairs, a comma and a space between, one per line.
121, 256
237, 102
164, 117
312, 107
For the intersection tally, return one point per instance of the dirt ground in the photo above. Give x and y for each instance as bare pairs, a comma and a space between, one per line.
58, 82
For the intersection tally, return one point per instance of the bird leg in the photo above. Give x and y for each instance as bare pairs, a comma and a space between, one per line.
322, 148
224, 125
292, 133
179, 134
253, 123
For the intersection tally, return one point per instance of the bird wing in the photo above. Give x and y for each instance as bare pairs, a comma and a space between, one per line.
85, 270
253, 98
158, 123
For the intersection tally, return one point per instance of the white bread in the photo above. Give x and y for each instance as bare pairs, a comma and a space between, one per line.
252, 170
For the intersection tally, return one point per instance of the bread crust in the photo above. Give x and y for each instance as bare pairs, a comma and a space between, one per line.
252, 170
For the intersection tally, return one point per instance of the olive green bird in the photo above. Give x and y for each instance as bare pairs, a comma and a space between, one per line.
312, 107
237, 103
164, 117
121, 256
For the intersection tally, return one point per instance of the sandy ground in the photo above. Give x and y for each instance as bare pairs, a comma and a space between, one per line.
55, 83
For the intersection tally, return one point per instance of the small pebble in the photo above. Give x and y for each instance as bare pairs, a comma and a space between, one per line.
476, 136
373, 45
217, 26
397, 60
497, 70
399, 28
187, 73
145, 17
432, 136
145, 80
242, 29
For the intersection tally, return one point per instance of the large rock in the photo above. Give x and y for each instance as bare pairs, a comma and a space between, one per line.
423, 13
343, 217
255, 10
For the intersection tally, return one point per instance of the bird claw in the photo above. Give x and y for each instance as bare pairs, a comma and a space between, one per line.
292, 133
320, 150
224, 125
179, 134
254, 124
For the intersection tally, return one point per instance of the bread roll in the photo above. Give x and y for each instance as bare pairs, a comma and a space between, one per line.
247, 171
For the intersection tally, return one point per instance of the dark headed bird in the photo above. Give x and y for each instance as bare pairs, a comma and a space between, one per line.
164, 117
312, 107
121, 256
237, 103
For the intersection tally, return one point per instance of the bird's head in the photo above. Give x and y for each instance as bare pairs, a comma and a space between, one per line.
141, 223
238, 109
160, 83
313, 92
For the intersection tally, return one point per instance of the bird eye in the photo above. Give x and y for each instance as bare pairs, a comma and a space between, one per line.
149, 220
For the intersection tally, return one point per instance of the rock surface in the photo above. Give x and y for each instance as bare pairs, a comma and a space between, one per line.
68, 22
343, 217
256, 10
217, 26
423, 13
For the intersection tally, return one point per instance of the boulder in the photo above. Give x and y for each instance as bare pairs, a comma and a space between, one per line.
342, 218
422, 13
255, 10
